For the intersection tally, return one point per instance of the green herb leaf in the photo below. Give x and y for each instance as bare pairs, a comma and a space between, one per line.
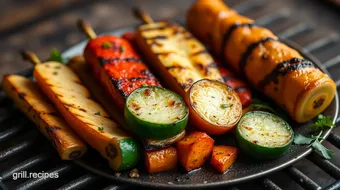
144, 85
300, 139
122, 48
322, 122
55, 55
323, 151
224, 105
101, 128
106, 45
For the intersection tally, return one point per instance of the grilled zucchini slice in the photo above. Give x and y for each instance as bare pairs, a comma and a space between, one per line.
156, 113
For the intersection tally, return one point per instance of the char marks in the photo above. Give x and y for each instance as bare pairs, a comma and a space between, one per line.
104, 61
284, 68
249, 50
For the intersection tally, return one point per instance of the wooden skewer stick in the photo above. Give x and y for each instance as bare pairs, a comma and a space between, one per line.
87, 29
31, 57
145, 17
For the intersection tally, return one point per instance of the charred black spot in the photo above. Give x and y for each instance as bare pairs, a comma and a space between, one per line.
29, 109
190, 80
228, 33
75, 154
68, 105
22, 95
107, 117
130, 85
78, 82
175, 67
146, 73
163, 53
147, 92
54, 114
59, 95
83, 110
185, 85
110, 151
318, 103
283, 68
159, 37
52, 129
206, 68
155, 43
250, 49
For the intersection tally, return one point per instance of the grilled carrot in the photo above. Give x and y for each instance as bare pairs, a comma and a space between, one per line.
116, 65
275, 69
161, 160
29, 99
194, 150
182, 61
223, 157
88, 118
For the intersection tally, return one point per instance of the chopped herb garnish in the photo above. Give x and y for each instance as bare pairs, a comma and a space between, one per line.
106, 45
97, 113
144, 85
224, 105
101, 129
320, 124
122, 48
55, 55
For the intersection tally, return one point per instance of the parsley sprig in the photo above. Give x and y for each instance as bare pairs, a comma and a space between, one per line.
55, 55
322, 123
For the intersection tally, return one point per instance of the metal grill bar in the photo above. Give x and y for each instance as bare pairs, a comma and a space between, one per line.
326, 165
302, 179
322, 42
11, 151
270, 18
334, 139
23, 166
300, 28
248, 5
35, 183
334, 186
112, 187
269, 184
79, 183
11, 132
332, 61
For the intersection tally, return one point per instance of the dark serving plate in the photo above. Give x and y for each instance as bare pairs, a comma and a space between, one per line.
244, 169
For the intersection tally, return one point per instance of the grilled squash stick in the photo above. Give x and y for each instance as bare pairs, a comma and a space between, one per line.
88, 118
183, 62
29, 99
272, 67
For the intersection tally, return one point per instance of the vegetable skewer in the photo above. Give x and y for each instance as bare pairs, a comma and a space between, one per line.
115, 64
88, 118
274, 68
29, 99
184, 62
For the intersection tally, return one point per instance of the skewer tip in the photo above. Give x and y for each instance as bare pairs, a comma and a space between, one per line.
139, 13
86, 28
30, 56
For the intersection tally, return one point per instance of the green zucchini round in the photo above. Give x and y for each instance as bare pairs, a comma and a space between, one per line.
155, 113
263, 135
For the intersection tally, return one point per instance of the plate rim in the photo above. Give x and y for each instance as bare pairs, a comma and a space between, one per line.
130, 181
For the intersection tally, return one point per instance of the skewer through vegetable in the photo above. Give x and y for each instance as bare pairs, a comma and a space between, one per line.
86, 117
274, 68
183, 63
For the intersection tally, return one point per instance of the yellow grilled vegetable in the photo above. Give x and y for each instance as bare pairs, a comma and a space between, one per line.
181, 60
88, 118
30, 100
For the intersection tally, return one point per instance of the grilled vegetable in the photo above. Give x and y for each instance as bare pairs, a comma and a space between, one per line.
161, 160
240, 87
263, 135
29, 99
83, 70
88, 118
223, 157
182, 60
116, 65
272, 67
219, 107
156, 113
258, 106
194, 150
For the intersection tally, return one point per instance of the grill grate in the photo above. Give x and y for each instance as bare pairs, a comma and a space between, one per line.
22, 148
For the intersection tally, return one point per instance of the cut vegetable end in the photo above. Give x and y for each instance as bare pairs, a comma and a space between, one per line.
130, 153
215, 102
263, 135
156, 113
315, 101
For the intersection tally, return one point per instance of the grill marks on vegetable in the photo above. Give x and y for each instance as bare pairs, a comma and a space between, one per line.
284, 68
104, 61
